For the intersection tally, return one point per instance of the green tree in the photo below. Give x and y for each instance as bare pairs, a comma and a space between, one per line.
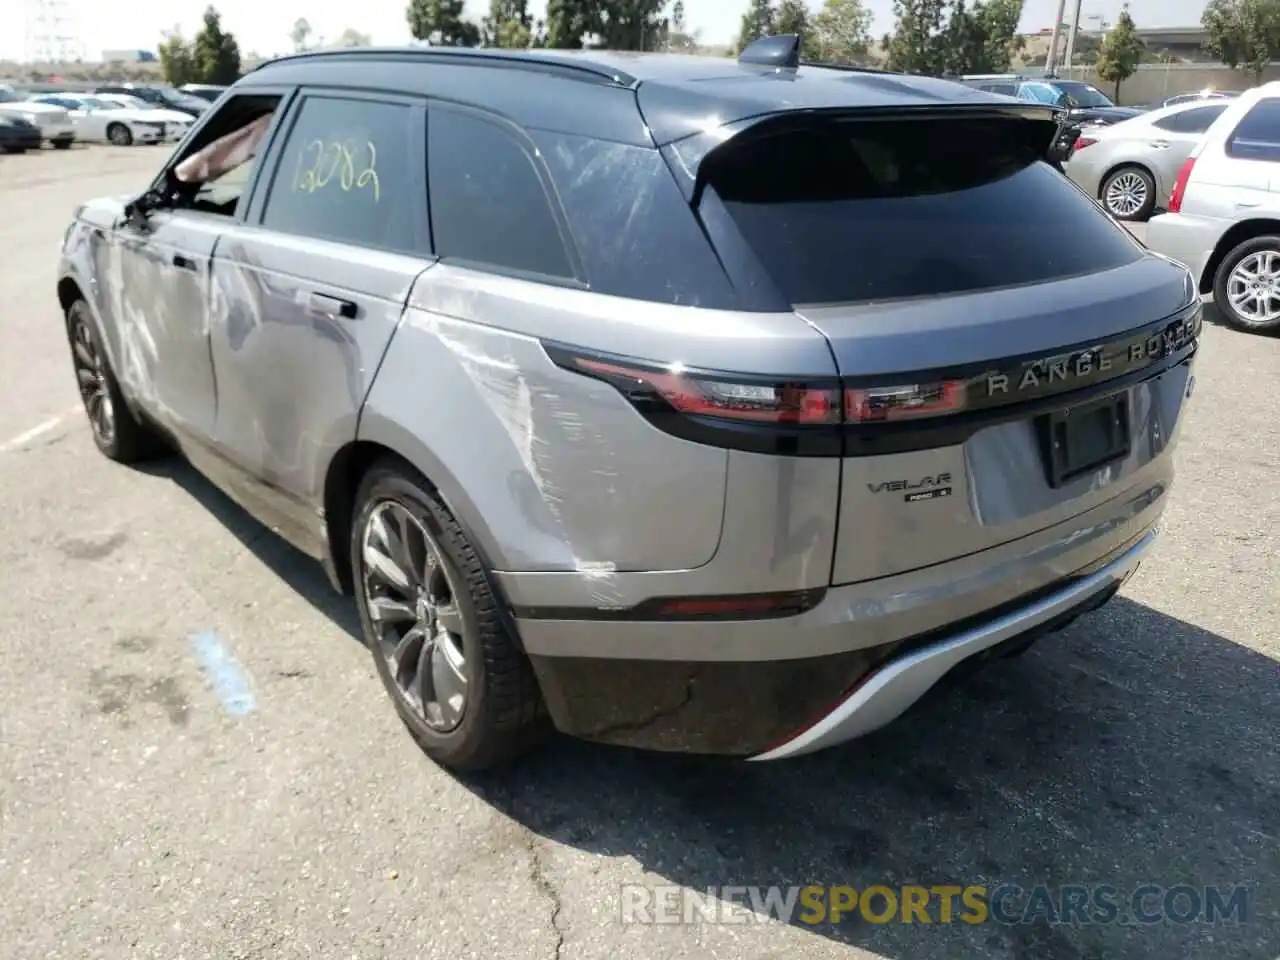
633, 25
842, 32
757, 22
441, 23
920, 42
176, 60
1243, 33
1120, 53
680, 39
982, 38
215, 53
569, 22
792, 16
352, 37
300, 34
508, 25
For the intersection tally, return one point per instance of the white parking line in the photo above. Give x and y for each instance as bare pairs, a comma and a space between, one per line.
39, 430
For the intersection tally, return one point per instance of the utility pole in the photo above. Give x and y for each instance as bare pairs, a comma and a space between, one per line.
1051, 61
1071, 37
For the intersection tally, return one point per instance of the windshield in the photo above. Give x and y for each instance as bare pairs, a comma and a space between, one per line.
93, 103
123, 100
9, 95
1083, 95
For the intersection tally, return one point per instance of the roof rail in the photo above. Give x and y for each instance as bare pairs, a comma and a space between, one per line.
574, 67
848, 67
781, 52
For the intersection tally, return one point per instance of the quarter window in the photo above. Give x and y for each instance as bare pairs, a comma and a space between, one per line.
1257, 137
344, 175
488, 203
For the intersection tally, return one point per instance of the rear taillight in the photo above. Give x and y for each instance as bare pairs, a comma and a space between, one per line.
697, 394
1180, 185
1082, 142
908, 402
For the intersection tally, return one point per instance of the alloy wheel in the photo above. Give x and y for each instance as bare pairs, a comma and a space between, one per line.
1126, 194
1253, 288
91, 377
410, 598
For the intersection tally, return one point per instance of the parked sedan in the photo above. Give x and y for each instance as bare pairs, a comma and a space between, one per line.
1205, 94
54, 123
176, 123
1131, 166
105, 121
17, 135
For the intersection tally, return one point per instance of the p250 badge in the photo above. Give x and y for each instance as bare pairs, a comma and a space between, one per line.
926, 488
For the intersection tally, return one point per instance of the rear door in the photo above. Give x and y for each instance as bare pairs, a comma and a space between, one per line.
1241, 170
308, 291
962, 327
1173, 137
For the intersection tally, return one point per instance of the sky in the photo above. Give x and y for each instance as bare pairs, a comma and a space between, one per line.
263, 26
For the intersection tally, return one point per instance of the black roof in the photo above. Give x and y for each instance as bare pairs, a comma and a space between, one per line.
677, 95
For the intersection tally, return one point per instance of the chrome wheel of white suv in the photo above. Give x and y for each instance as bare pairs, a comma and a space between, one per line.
1247, 285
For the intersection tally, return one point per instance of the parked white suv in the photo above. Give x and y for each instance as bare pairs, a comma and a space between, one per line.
1224, 212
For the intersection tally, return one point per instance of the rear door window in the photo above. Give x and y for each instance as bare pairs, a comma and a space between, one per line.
346, 174
1196, 120
858, 211
1257, 137
489, 205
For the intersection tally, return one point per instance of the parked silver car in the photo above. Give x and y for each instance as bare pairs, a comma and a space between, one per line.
1131, 166
661, 400
1224, 216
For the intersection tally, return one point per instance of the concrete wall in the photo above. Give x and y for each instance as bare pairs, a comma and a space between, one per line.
1156, 81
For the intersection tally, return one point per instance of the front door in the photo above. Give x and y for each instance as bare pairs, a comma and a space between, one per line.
308, 293
162, 312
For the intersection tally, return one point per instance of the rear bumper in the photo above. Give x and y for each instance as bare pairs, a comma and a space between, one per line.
1189, 240
886, 692
769, 710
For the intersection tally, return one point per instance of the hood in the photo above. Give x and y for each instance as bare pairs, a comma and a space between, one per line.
1108, 114
164, 115
40, 109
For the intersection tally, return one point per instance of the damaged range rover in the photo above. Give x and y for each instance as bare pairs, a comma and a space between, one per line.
676, 402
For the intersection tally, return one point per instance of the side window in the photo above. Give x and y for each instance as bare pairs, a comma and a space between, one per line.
345, 175
488, 204
1197, 120
216, 166
1257, 136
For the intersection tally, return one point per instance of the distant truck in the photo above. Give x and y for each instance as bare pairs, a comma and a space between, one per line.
128, 56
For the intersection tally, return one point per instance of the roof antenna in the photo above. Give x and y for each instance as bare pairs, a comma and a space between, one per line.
781, 52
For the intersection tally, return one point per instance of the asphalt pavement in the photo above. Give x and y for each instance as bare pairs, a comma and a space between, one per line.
197, 760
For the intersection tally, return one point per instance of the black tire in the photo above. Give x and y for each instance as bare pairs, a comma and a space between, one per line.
119, 135
62, 144
1221, 281
1130, 174
128, 440
503, 716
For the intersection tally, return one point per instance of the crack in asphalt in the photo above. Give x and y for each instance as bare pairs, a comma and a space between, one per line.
538, 875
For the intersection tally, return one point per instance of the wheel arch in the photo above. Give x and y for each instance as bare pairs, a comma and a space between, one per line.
348, 467
1238, 234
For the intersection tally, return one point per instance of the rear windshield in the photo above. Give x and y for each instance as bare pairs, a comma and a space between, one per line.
856, 211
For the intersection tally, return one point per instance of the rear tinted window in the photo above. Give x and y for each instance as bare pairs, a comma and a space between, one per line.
489, 207
869, 211
1257, 137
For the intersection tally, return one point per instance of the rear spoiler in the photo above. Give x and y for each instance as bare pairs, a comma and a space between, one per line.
687, 157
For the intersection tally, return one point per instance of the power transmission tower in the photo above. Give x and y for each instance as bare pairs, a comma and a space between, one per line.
52, 36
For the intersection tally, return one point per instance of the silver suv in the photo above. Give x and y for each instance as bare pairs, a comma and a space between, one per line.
677, 402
